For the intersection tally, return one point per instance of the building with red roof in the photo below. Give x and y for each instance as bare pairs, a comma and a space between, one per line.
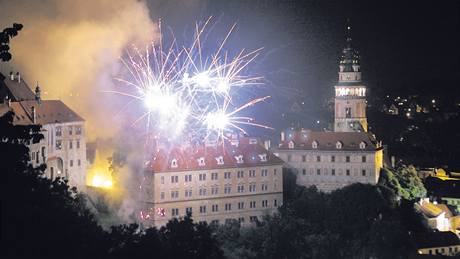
238, 180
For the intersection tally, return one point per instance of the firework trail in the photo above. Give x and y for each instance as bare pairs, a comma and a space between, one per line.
181, 88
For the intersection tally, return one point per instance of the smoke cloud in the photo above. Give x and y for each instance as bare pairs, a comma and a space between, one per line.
72, 48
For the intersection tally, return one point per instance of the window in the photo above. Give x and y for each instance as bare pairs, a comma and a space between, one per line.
227, 189
174, 163
239, 159
240, 188
201, 161
78, 143
213, 176
348, 112
347, 159
289, 158
252, 173
263, 157
264, 187
58, 131
264, 172
228, 175
253, 219
202, 177
240, 174
175, 212
70, 144
33, 155
70, 128
202, 209
174, 194
188, 177
228, 206
188, 210
332, 159
162, 195
264, 203
214, 190
338, 145
71, 163
252, 204
275, 202
58, 144
274, 171
318, 171
314, 144
220, 160
162, 180
241, 220
363, 159
188, 193
240, 205
37, 157
304, 171
252, 187
174, 179
79, 162
78, 130
215, 222
202, 192
304, 158
52, 173
215, 208
333, 171
348, 171
363, 172
318, 158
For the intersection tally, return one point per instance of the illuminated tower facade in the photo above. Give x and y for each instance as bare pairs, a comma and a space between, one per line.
350, 93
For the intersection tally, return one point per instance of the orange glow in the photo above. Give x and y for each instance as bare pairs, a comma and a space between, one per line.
99, 174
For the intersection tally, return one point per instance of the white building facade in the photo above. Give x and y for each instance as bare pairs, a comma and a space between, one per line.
240, 181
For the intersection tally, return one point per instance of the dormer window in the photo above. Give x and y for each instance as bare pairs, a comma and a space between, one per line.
239, 159
220, 160
174, 163
201, 161
263, 157
314, 144
291, 144
362, 145
338, 145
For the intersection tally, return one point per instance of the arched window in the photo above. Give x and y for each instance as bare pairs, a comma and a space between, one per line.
174, 163
338, 145
314, 144
201, 161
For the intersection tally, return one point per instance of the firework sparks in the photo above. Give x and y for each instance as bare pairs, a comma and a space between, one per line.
182, 89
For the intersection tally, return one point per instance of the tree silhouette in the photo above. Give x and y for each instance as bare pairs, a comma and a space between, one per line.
5, 37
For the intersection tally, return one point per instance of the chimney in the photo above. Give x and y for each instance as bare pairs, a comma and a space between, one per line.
282, 135
34, 115
11, 76
18, 77
38, 94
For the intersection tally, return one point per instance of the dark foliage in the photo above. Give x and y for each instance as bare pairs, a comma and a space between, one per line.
44, 218
5, 37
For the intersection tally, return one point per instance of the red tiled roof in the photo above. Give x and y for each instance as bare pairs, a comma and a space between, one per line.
303, 139
47, 112
189, 158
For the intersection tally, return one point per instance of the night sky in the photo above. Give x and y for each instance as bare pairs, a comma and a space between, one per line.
405, 46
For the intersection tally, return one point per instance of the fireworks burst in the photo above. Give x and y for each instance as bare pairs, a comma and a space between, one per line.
181, 88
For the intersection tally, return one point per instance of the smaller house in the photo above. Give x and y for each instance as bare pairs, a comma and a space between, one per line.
437, 215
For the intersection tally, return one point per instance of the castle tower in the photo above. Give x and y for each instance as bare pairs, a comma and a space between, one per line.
350, 93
